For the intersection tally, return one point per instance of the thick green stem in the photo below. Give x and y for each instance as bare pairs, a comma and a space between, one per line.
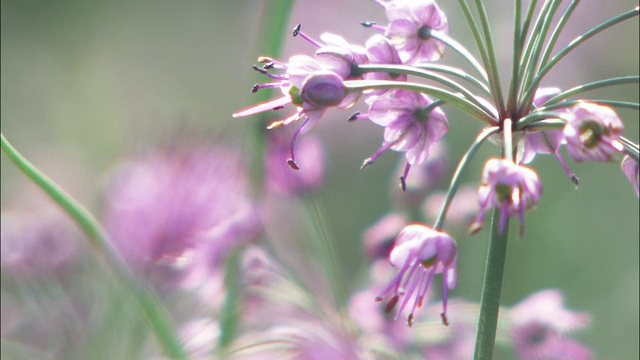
491, 289
151, 309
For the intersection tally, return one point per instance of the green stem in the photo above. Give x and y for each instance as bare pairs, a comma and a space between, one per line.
634, 79
464, 104
491, 62
462, 164
529, 93
491, 289
460, 50
152, 310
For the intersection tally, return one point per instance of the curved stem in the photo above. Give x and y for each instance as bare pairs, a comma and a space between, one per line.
411, 70
456, 100
152, 310
577, 41
570, 103
462, 164
491, 289
491, 62
460, 50
593, 85
455, 72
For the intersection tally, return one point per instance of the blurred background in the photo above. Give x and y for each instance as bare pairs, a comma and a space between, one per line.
87, 83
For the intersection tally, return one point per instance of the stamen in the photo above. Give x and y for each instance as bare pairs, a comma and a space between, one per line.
403, 178
571, 175
297, 31
292, 161
373, 25
265, 72
354, 116
368, 161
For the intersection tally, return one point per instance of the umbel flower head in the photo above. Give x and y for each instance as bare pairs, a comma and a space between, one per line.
509, 187
421, 252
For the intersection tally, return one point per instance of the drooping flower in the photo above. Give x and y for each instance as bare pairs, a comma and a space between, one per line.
311, 89
413, 123
592, 133
410, 26
511, 188
539, 328
462, 210
548, 141
379, 238
630, 168
420, 252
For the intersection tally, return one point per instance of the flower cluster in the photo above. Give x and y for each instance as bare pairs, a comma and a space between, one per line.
532, 120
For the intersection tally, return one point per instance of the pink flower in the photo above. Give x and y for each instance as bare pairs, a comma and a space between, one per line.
539, 325
511, 188
412, 124
630, 169
381, 51
592, 133
421, 252
306, 85
411, 23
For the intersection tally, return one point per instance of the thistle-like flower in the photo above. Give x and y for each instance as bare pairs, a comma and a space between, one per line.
410, 26
511, 188
593, 132
413, 123
421, 252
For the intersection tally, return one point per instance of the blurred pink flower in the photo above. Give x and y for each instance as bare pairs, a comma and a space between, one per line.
539, 325
178, 211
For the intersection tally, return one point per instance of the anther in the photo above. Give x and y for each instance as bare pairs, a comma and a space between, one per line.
367, 23
403, 183
278, 107
391, 304
445, 322
354, 116
410, 320
260, 70
366, 163
292, 164
296, 30
268, 65
575, 180
255, 88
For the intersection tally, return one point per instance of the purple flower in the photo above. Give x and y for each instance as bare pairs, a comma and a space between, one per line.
411, 23
174, 214
592, 133
381, 51
413, 123
420, 252
511, 188
281, 178
539, 325
630, 169
308, 87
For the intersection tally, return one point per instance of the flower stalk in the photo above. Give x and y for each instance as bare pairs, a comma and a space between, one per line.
149, 306
491, 289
